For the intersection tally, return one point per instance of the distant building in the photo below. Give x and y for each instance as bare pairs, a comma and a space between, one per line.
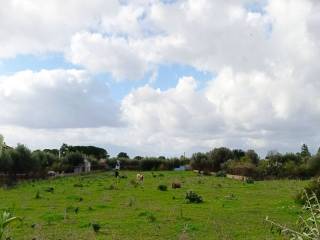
85, 167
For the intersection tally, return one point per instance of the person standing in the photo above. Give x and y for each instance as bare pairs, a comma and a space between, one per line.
117, 169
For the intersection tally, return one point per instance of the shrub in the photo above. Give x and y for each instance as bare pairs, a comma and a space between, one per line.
162, 187
221, 174
193, 197
96, 227
313, 187
249, 181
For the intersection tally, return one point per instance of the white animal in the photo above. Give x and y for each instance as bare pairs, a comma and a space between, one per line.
140, 177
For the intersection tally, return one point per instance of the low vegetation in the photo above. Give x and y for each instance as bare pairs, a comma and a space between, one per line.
308, 227
230, 209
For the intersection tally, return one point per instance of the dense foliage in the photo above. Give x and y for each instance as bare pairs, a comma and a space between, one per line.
21, 160
275, 165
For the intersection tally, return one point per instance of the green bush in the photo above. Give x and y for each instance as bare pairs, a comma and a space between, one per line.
96, 227
221, 174
249, 181
312, 188
193, 197
162, 187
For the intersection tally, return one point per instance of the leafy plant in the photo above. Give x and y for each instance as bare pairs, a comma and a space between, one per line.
162, 187
308, 225
5, 220
96, 227
193, 197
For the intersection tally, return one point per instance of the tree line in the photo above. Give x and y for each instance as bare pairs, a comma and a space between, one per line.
247, 163
21, 160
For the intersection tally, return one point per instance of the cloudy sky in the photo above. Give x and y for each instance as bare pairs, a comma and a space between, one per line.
161, 77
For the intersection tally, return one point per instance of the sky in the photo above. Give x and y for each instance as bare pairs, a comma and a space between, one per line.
161, 77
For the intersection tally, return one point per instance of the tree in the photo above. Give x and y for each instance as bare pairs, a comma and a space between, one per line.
1, 144
72, 160
21, 159
305, 151
64, 149
238, 154
253, 156
122, 155
218, 156
6, 163
43, 159
138, 158
199, 161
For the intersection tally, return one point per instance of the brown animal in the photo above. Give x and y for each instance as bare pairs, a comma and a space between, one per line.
176, 185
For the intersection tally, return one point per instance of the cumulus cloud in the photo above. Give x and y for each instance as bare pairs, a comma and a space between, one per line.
37, 27
264, 61
111, 54
56, 99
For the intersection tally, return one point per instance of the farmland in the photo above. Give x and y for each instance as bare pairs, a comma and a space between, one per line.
71, 207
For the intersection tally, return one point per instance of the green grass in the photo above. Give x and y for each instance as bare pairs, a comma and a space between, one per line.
231, 209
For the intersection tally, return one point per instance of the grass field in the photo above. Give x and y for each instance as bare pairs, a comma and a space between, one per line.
231, 209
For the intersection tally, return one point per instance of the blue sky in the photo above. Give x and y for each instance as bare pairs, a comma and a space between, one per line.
167, 74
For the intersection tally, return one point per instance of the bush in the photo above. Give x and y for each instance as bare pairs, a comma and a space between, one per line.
162, 187
312, 188
249, 181
96, 227
221, 174
193, 197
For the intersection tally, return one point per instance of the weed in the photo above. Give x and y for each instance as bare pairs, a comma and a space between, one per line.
149, 215
6, 218
231, 197
131, 202
49, 189
37, 195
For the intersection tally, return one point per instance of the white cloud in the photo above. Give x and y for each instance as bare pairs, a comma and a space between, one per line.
265, 63
56, 99
37, 27
110, 54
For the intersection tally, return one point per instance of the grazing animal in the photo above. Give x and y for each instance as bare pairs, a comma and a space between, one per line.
176, 185
140, 177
